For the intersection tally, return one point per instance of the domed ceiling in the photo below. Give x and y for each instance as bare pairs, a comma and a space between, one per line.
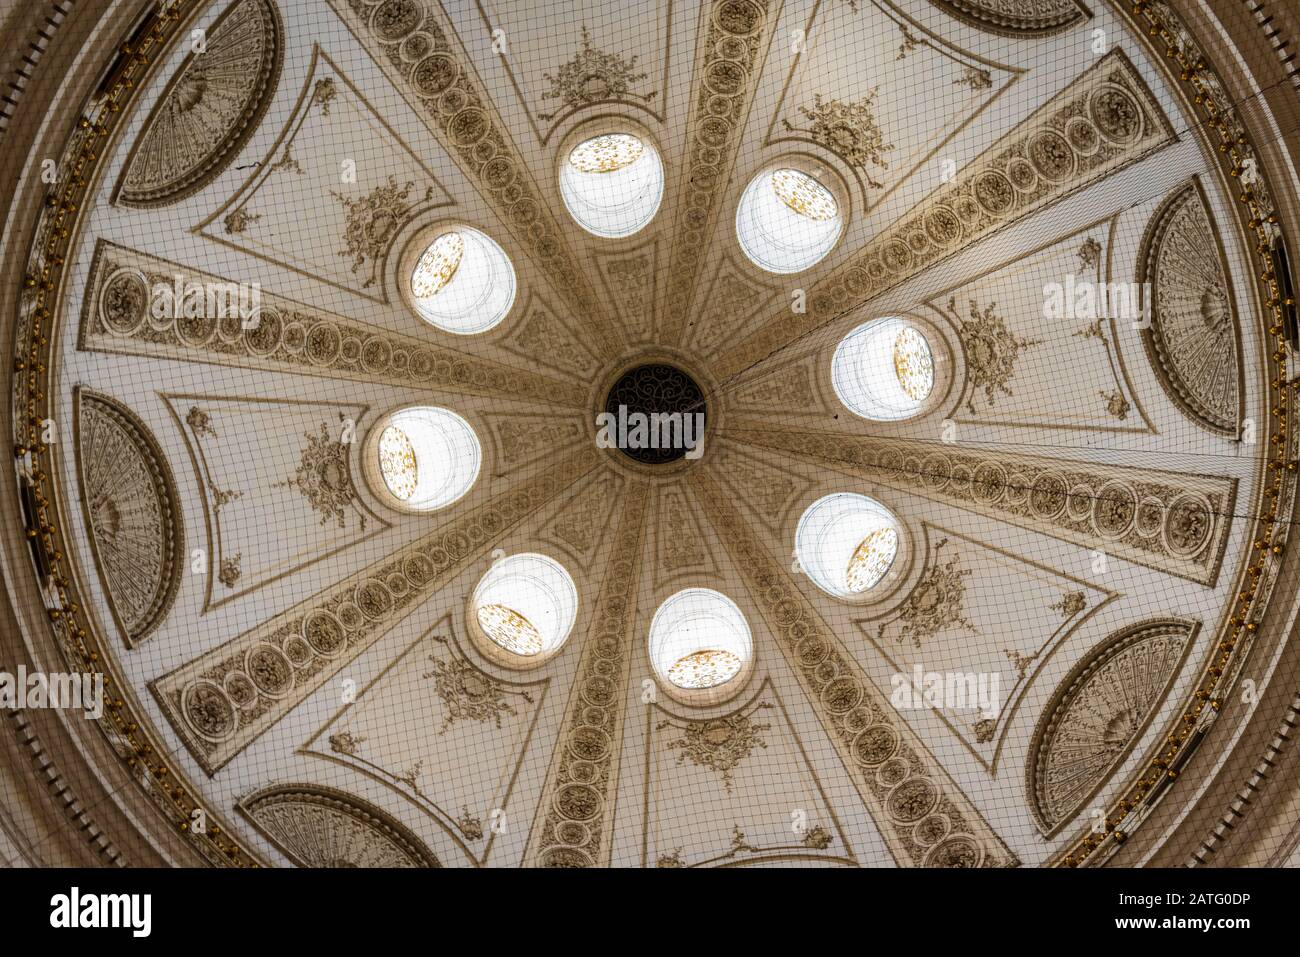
326, 327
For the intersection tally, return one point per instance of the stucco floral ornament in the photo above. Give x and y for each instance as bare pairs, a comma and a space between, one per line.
323, 478
720, 744
593, 76
991, 351
936, 603
848, 130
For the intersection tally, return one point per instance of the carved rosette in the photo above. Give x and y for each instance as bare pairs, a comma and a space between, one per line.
130, 503
1192, 341
321, 827
212, 106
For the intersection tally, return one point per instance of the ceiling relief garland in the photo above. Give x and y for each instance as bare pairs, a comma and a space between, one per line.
1192, 341
922, 815
729, 57
316, 826
132, 511
575, 816
1171, 521
1102, 121
210, 108
410, 45
222, 700
1097, 714
1017, 18
121, 315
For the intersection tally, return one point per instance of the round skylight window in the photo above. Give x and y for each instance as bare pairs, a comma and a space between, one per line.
423, 457
847, 544
787, 221
612, 184
884, 370
526, 605
699, 642
462, 282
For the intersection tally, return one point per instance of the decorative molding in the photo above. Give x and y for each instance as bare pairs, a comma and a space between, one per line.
224, 699
1017, 18
629, 280
209, 110
322, 827
285, 336
132, 514
1176, 522
730, 48
579, 526
1104, 120
1192, 340
1099, 712
593, 76
719, 744
575, 816
730, 306
922, 815
443, 89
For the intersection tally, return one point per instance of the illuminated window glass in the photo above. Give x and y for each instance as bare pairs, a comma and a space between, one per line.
526, 604
884, 370
612, 184
427, 457
463, 282
847, 543
699, 639
787, 221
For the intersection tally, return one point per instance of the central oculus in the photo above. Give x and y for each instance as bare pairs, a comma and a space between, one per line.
654, 414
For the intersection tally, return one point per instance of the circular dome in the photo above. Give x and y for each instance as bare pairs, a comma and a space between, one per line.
655, 414
462, 282
612, 184
884, 370
526, 605
847, 544
699, 641
787, 221
423, 458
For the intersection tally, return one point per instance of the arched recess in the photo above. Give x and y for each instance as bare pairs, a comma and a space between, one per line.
317, 826
131, 508
1098, 713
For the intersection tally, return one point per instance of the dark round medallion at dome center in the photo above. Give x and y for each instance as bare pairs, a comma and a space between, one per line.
656, 413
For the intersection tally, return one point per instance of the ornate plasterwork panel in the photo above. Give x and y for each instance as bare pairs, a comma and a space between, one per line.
1014, 354
303, 486
575, 815
428, 66
285, 336
730, 47
222, 700
132, 512
732, 301
681, 545
521, 439
1173, 521
546, 337
210, 108
317, 826
465, 711
768, 490
1104, 120
1028, 18
954, 620
922, 815
340, 158
581, 525
1098, 712
709, 784
1192, 341
598, 55
791, 389
872, 124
